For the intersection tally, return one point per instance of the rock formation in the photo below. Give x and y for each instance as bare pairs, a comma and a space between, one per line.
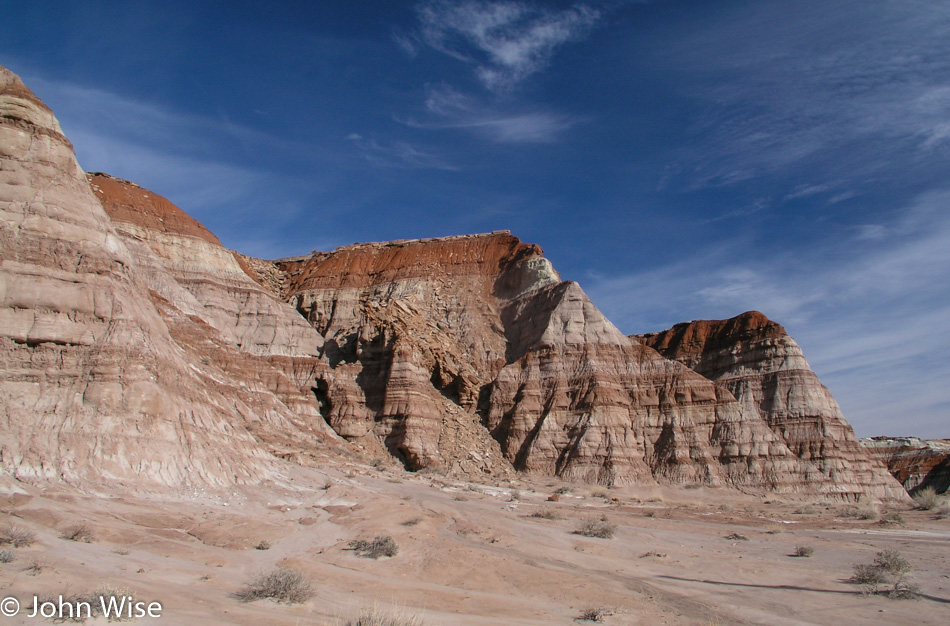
758, 363
133, 344
916, 463
107, 370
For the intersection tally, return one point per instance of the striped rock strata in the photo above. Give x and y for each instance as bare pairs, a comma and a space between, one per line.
107, 373
916, 463
758, 363
134, 345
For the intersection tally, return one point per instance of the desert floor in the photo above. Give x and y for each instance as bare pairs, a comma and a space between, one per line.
472, 553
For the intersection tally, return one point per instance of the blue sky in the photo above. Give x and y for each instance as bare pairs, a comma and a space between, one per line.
680, 159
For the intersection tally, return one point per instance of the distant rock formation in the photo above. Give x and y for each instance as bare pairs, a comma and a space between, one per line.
133, 345
916, 463
758, 363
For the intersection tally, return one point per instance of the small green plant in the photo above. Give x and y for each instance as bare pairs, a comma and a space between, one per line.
380, 546
263, 545
594, 615
926, 499
282, 584
803, 551
888, 568
7, 556
599, 528
412, 522
80, 532
736, 537
17, 536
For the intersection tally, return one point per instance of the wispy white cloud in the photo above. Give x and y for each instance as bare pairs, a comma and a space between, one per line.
870, 311
850, 93
210, 166
504, 41
399, 154
447, 108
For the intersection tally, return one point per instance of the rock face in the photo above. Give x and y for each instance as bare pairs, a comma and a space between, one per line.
916, 463
106, 370
758, 363
134, 345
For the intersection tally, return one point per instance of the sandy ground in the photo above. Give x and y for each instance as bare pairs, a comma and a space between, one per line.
472, 553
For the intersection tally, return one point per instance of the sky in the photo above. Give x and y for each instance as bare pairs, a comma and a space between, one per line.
679, 159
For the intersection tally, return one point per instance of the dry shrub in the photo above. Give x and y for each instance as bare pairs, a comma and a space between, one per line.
803, 551
79, 532
380, 546
594, 615
17, 536
377, 617
282, 584
736, 537
599, 528
865, 511
926, 499
888, 568
653, 553
263, 545
36, 567
94, 601
7, 556
546, 513
599, 492
412, 522
892, 519
943, 510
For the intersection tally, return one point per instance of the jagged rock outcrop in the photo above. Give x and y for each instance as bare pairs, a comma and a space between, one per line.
422, 336
413, 336
755, 360
134, 345
581, 400
106, 371
916, 463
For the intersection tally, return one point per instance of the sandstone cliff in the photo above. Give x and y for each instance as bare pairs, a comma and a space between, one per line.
134, 345
755, 360
916, 463
106, 370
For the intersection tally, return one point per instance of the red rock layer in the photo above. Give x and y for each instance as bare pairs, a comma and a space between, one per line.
125, 201
363, 265
182, 261
765, 370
